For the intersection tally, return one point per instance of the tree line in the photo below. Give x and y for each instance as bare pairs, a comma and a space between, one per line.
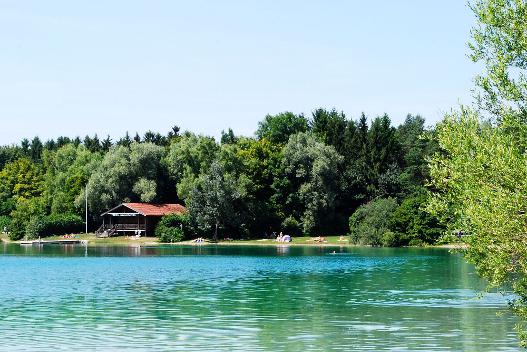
322, 174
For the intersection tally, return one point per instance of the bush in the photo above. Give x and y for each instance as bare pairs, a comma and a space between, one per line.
390, 239
291, 227
173, 228
61, 224
371, 221
414, 225
5, 222
53, 225
26, 209
448, 238
34, 227
17, 229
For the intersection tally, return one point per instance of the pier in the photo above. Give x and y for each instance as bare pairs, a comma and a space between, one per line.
40, 242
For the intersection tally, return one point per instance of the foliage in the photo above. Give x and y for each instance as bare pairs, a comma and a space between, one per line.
173, 228
68, 169
291, 226
278, 128
5, 222
125, 174
20, 179
478, 174
53, 225
213, 202
189, 157
300, 175
413, 225
310, 168
370, 223
26, 210
499, 44
481, 185
255, 165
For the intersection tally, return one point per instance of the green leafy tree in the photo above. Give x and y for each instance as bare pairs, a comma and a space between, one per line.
67, 172
188, 158
213, 202
371, 223
125, 174
173, 228
278, 128
27, 212
479, 177
479, 173
255, 164
499, 44
413, 225
20, 179
311, 181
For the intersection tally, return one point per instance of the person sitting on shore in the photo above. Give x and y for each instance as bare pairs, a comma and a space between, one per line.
280, 237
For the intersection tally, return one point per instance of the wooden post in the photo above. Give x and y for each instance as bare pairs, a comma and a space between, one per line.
216, 233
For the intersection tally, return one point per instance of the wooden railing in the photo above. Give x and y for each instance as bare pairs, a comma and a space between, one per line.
107, 230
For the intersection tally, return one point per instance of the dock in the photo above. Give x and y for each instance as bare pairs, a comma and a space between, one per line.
40, 242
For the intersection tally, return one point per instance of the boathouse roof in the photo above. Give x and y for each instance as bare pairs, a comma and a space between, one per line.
149, 209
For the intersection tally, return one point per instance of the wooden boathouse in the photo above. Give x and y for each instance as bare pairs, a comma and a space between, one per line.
135, 218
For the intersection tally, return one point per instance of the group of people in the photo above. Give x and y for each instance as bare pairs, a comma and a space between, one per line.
283, 238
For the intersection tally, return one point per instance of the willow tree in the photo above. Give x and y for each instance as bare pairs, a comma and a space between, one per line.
213, 200
499, 43
480, 171
480, 178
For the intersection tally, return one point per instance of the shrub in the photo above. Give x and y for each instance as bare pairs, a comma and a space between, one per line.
173, 228
371, 221
35, 227
52, 225
26, 209
5, 222
448, 238
390, 239
415, 225
17, 229
291, 227
61, 224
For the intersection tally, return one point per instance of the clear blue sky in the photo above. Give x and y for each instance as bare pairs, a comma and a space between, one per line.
76, 68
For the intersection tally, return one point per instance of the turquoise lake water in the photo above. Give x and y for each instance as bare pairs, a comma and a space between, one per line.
245, 299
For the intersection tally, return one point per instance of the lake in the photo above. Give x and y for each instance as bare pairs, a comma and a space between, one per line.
234, 298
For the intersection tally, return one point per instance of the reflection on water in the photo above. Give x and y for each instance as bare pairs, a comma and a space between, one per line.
245, 299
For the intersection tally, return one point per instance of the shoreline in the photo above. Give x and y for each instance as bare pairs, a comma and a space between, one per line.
331, 241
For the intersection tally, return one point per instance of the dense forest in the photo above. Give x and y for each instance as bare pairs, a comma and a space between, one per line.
318, 175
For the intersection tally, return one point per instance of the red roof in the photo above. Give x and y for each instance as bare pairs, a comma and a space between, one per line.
148, 209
